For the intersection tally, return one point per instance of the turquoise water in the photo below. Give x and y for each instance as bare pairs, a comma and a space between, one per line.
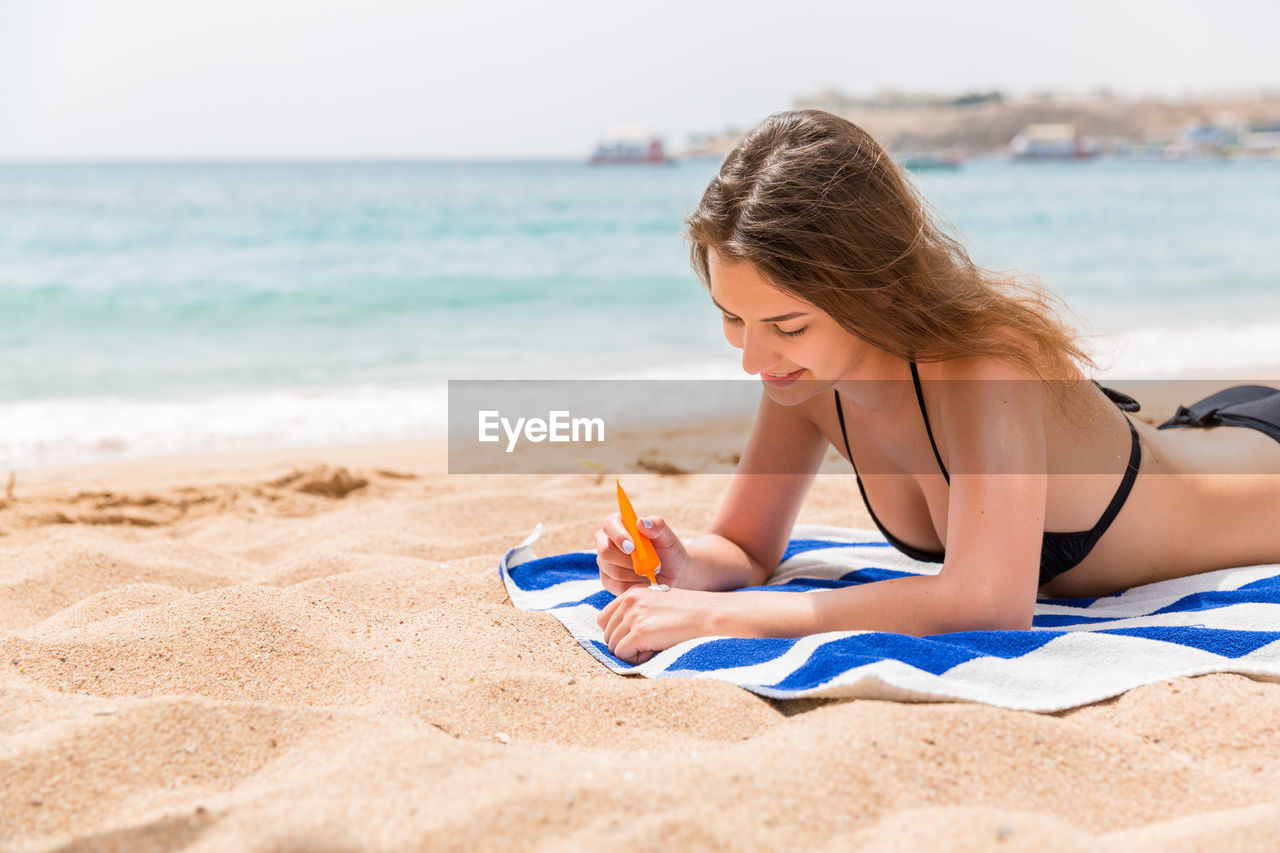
155, 308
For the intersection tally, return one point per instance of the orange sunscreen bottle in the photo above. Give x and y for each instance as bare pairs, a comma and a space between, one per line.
643, 559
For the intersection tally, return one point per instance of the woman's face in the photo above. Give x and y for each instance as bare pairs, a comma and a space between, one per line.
781, 335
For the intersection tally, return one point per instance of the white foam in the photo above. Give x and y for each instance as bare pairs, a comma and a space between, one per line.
68, 431
63, 431
1199, 352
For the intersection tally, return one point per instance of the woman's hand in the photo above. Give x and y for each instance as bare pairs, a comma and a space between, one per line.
614, 547
642, 622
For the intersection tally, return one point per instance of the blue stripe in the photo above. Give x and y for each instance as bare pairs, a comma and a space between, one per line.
1219, 641
1261, 591
599, 600
871, 575
853, 578
547, 572
728, 652
935, 654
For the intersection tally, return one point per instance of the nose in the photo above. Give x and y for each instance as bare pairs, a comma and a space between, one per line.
757, 353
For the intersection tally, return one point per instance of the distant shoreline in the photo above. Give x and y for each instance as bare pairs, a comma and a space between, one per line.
985, 124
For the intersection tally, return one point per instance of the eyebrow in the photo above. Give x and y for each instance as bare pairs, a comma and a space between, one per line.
777, 319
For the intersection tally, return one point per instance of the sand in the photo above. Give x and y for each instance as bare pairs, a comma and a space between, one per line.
312, 650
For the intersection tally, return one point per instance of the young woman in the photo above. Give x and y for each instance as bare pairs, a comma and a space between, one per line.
962, 391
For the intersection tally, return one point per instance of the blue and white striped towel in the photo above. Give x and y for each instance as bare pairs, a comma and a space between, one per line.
1079, 650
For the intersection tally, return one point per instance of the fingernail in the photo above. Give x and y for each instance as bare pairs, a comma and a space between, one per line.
628, 546
646, 522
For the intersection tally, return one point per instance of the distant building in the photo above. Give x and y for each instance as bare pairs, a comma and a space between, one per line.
1051, 142
1261, 143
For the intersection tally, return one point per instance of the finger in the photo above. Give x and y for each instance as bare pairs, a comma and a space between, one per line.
607, 613
605, 619
621, 608
609, 551
619, 587
620, 566
616, 579
618, 534
657, 530
613, 571
629, 649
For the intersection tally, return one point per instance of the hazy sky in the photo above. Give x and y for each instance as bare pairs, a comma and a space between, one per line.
379, 78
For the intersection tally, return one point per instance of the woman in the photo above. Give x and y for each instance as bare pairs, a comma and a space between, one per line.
962, 390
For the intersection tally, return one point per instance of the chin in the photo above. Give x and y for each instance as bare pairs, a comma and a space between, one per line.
797, 392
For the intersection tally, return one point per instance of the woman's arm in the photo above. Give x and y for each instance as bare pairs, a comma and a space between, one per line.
751, 529
994, 438
995, 447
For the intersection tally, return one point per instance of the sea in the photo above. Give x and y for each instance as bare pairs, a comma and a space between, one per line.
153, 308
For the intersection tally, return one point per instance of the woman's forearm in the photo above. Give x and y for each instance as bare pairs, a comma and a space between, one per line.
918, 606
720, 564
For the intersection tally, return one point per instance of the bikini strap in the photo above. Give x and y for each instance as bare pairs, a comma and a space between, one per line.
861, 488
843, 434
915, 376
1118, 499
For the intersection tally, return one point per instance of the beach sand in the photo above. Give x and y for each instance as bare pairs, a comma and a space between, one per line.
312, 650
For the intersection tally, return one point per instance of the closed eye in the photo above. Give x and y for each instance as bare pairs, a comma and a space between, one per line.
736, 321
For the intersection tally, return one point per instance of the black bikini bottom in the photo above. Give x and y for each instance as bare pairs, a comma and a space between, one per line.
1253, 406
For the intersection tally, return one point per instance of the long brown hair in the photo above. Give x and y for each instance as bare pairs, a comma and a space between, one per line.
823, 213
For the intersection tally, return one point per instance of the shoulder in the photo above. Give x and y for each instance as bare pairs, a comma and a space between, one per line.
989, 409
988, 378
982, 378
988, 366
979, 368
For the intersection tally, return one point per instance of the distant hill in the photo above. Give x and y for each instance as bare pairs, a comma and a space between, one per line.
985, 122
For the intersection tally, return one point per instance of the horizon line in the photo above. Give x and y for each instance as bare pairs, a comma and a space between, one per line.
272, 159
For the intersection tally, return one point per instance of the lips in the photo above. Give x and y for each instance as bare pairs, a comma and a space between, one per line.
781, 381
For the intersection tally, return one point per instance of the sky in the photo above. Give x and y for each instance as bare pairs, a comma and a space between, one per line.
335, 79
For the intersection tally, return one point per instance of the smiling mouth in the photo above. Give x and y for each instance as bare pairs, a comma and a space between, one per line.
784, 375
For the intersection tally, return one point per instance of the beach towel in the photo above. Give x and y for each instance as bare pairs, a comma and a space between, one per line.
1078, 650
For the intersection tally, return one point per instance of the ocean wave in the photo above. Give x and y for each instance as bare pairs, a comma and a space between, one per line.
1218, 351
77, 430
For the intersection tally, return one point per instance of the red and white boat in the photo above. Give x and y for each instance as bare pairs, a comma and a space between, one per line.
629, 144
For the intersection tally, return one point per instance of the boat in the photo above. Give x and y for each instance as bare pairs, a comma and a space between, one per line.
629, 144
1051, 142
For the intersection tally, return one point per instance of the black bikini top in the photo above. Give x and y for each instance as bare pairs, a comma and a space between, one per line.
1059, 551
